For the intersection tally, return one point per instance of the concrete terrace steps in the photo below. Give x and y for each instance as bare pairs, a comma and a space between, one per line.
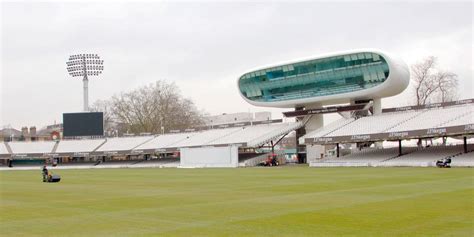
405, 121
274, 134
414, 156
468, 113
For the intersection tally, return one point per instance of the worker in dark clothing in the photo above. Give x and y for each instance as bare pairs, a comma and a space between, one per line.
45, 174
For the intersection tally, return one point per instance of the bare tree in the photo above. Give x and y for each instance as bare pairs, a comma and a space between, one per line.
105, 106
423, 83
447, 86
155, 108
432, 84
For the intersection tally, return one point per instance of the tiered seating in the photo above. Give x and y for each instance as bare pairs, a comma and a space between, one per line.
374, 124
256, 135
275, 132
245, 134
464, 159
123, 143
398, 121
249, 135
79, 145
433, 118
368, 155
31, 147
252, 135
3, 149
328, 128
413, 156
426, 156
165, 140
465, 118
205, 137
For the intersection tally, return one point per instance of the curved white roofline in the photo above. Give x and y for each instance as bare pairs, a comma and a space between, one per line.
397, 81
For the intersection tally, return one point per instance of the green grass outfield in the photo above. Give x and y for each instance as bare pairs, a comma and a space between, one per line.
283, 201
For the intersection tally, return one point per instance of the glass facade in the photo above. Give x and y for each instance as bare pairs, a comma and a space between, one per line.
313, 78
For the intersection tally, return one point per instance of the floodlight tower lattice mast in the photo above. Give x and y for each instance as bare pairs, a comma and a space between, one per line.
85, 65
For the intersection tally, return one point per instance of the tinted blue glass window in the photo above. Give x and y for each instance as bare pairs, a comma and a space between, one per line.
320, 77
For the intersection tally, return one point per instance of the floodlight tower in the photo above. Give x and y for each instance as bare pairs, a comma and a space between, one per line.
85, 65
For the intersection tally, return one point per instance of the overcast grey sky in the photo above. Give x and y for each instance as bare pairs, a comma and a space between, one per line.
204, 46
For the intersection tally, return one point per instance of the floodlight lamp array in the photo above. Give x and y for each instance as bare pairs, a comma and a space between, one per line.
80, 65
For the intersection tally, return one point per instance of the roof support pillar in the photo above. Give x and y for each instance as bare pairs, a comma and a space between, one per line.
377, 107
337, 149
465, 144
376, 110
399, 147
273, 148
299, 133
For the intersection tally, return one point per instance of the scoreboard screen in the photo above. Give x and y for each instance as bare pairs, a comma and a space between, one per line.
83, 124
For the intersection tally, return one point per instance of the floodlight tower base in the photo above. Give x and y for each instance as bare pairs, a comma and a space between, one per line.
85, 82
